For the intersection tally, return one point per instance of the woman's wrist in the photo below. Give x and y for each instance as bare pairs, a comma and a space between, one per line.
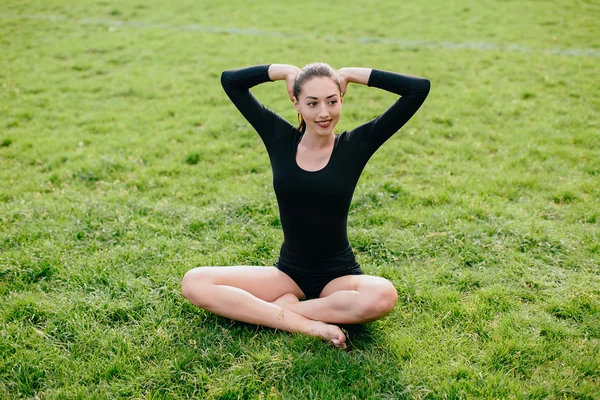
284, 72
280, 72
355, 75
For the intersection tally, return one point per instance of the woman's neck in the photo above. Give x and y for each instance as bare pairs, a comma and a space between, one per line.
312, 140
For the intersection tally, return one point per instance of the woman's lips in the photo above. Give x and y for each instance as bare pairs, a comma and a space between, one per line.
324, 124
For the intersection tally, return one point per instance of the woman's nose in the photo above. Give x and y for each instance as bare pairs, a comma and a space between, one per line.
323, 111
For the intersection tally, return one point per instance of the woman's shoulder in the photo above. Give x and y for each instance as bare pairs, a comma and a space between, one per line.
354, 133
343, 137
346, 139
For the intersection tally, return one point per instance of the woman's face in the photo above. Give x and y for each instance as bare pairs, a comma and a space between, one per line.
320, 104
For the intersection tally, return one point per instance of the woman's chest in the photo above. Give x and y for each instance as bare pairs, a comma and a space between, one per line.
313, 160
336, 177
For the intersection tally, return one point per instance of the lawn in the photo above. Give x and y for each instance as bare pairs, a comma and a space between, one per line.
123, 165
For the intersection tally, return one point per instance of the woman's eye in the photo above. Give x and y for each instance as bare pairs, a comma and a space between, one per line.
333, 102
312, 104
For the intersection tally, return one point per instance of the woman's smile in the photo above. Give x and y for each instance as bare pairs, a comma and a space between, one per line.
324, 124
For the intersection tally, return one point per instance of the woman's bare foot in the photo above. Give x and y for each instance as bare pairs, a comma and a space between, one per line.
286, 301
329, 333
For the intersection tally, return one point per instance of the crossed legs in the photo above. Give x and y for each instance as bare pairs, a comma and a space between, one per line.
351, 299
266, 296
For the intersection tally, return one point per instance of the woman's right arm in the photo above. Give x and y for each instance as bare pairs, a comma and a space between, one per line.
279, 72
237, 84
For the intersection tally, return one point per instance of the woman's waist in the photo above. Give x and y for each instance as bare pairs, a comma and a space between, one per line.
340, 254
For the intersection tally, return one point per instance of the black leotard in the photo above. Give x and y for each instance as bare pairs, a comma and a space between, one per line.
313, 206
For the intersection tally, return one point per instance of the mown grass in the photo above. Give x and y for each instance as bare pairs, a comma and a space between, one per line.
123, 165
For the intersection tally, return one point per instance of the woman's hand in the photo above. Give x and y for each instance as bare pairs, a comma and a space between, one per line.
279, 72
290, 80
354, 75
343, 77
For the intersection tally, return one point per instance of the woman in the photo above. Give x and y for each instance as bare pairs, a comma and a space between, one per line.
314, 175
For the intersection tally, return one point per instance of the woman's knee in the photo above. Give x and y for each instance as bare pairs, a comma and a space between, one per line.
380, 302
193, 280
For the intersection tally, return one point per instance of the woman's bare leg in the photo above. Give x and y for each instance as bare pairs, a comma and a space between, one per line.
351, 299
247, 294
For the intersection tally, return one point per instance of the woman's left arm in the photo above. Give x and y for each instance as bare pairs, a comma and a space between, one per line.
353, 75
412, 89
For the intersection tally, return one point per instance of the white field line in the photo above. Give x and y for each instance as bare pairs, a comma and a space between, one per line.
361, 40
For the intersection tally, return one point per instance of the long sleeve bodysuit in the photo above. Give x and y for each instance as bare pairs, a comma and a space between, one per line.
314, 205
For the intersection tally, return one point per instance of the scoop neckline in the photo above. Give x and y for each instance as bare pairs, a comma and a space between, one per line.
335, 142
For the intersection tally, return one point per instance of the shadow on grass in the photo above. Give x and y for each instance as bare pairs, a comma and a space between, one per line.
359, 337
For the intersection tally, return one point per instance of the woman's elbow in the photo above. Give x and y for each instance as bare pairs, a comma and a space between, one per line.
425, 85
226, 78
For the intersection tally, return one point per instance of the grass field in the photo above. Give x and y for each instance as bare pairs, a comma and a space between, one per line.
123, 165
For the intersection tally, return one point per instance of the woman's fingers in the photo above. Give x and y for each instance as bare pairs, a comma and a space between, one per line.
291, 80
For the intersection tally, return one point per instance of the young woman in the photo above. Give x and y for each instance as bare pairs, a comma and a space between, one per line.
314, 175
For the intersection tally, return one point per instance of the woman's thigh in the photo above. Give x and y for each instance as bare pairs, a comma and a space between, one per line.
360, 283
266, 283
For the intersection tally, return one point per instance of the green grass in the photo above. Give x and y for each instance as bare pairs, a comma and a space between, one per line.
123, 165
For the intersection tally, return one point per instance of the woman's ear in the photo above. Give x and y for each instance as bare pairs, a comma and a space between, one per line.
296, 103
